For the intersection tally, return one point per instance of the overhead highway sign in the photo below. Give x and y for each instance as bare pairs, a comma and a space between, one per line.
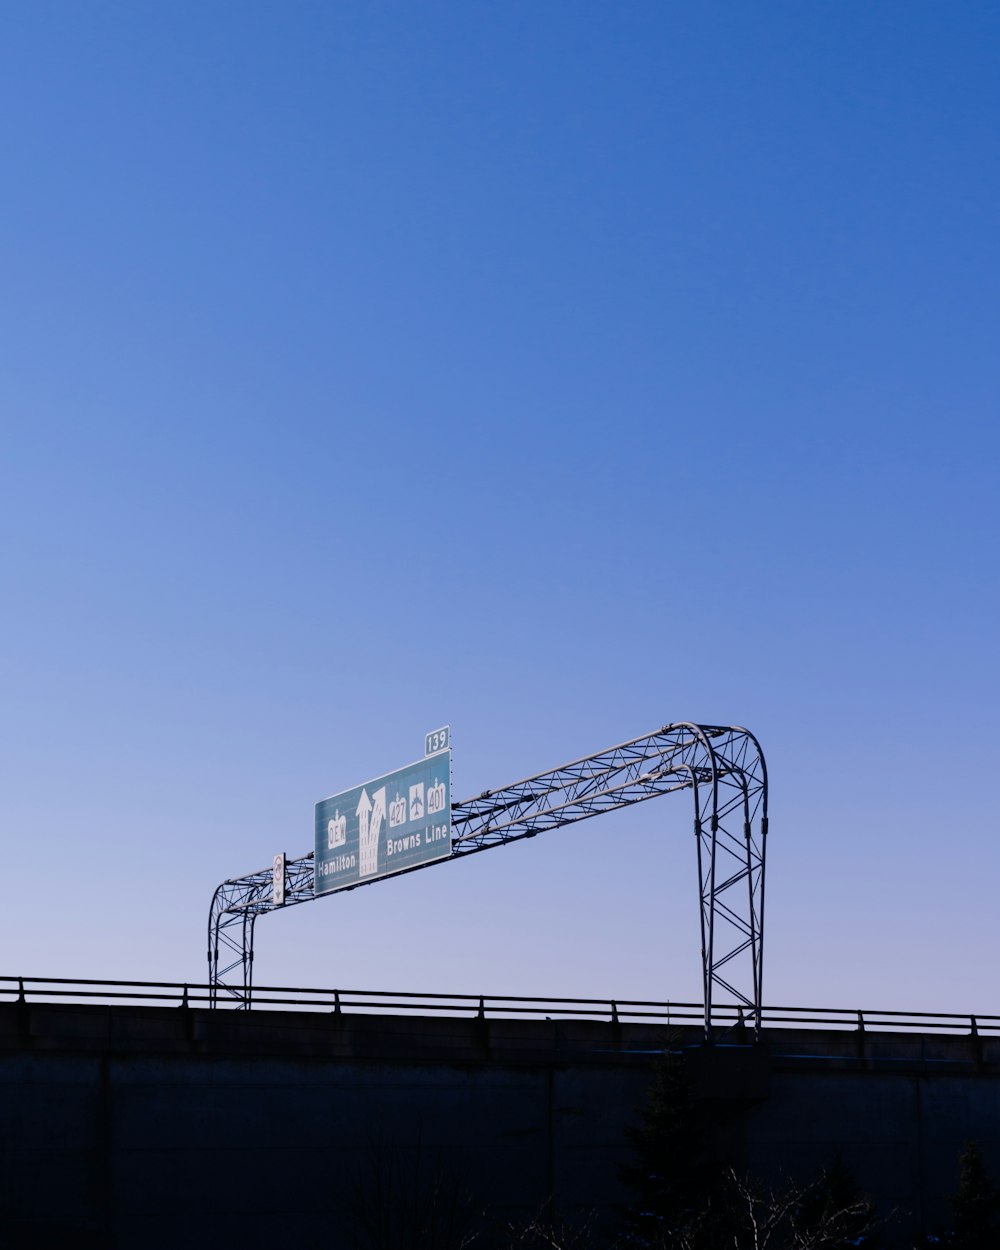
396, 822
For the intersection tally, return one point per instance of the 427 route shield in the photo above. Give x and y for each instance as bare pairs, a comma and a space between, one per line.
396, 822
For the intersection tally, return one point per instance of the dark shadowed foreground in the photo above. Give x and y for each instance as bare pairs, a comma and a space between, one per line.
132, 1126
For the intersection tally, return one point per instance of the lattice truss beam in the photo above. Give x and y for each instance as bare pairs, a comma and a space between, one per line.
722, 766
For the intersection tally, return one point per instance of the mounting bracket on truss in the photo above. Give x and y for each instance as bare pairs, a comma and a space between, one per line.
723, 768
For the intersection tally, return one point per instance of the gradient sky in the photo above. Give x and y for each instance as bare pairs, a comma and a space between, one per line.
555, 370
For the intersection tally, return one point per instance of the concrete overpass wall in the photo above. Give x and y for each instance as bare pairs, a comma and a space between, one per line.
126, 1126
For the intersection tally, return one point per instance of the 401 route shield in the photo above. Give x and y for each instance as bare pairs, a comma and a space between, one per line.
398, 821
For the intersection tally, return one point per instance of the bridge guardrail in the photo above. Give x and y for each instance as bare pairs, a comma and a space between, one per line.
487, 1006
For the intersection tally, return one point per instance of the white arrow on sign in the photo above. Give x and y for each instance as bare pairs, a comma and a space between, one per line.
363, 812
378, 813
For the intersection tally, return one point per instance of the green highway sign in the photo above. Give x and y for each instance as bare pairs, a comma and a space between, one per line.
437, 740
398, 821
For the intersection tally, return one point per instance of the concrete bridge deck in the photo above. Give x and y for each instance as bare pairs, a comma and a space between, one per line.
128, 1125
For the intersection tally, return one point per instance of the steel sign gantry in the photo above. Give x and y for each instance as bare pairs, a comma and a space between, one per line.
722, 766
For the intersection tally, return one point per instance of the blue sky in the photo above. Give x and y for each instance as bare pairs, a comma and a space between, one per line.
552, 370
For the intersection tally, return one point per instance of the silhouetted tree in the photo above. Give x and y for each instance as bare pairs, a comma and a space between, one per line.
975, 1222
677, 1184
976, 1205
685, 1198
825, 1213
545, 1233
835, 1205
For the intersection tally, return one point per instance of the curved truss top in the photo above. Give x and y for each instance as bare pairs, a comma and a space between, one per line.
724, 768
